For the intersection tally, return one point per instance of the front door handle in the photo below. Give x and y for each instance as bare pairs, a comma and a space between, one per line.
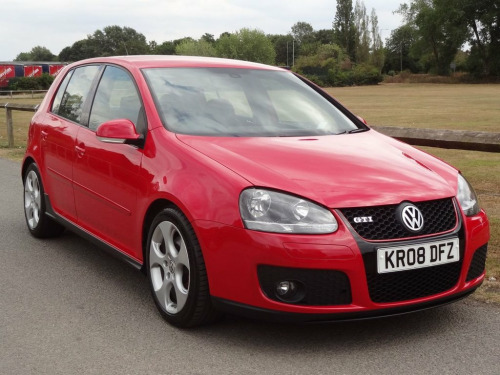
80, 151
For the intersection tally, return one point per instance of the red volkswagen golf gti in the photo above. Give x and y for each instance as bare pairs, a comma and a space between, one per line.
239, 187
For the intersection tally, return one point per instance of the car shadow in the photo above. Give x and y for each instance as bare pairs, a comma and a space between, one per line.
255, 335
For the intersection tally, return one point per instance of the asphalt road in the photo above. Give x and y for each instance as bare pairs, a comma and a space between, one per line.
68, 308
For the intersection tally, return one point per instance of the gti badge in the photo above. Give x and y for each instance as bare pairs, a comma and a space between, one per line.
411, 217
363, 219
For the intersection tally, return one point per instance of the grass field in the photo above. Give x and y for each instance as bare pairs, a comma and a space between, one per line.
460, 107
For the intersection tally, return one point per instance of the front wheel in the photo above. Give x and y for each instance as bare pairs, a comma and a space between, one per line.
39, 224
176, 271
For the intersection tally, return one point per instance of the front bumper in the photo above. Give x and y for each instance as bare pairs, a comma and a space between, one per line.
233, 256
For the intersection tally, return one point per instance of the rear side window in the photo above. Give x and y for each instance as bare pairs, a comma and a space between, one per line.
70, 104
116, 97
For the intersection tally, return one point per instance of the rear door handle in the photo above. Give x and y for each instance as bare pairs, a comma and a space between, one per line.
44, 134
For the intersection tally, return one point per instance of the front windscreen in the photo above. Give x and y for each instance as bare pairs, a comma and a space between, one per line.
242, 102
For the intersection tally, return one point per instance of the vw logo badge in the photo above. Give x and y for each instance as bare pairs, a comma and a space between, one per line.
411, 217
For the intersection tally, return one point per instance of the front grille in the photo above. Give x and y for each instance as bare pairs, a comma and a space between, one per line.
320, 287
406, 285
439, 217
476, 268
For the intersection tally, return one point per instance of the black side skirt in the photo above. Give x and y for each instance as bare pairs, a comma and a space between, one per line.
89, 237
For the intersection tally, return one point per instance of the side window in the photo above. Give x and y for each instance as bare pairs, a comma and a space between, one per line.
76, 93
116, 97
60, 92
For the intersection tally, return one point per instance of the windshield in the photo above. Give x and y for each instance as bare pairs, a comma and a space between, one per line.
242, 102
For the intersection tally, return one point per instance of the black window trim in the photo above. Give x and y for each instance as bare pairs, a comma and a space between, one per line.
85, 105
141, 128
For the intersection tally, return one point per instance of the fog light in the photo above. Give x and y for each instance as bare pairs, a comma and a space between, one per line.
284, 288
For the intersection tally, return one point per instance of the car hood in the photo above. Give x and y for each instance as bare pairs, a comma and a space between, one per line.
347, 170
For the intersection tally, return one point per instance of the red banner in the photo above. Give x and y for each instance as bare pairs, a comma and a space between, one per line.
33, 71
6, 72
55, 69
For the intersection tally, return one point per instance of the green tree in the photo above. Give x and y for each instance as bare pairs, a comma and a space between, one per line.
209, 38
324, 36
344, 28
377, 57
166, 48
23, 56
110, 41
482, 21
81, 49
439, 36
362, 24
398, 48
37, 53
247, 44
195, 48
283, 47
303, 32
116, 40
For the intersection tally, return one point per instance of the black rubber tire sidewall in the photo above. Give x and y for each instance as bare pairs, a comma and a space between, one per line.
46, 227
198, 302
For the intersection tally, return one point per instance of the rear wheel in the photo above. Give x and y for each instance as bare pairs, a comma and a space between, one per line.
39, 224
176, 271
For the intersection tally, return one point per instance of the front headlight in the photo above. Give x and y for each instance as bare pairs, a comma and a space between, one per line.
269, 211
467, 197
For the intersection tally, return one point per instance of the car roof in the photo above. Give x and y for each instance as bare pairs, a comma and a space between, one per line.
175, 61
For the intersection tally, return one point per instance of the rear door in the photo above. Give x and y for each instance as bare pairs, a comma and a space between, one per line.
106, 176
58, 137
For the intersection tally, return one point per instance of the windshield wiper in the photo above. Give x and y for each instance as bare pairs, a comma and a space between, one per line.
359, 130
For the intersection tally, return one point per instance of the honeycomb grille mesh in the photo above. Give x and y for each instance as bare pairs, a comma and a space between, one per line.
407, 285
439, 217
478, 263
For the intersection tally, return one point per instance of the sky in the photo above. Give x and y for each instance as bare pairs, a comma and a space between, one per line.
56, 24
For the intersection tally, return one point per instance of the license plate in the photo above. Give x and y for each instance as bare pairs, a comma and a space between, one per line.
418, 255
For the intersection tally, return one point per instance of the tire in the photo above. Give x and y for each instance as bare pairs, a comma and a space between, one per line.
39, 224
176, 271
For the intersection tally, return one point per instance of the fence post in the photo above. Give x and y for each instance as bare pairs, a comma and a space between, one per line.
10, 130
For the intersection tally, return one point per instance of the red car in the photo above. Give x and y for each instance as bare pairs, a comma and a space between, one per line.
239, 187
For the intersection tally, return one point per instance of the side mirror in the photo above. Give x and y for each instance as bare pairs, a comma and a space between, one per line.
119, 131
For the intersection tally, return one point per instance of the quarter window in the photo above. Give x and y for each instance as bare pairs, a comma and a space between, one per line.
57, 100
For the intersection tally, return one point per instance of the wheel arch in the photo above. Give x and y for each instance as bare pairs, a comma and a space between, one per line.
26, 163
154, 208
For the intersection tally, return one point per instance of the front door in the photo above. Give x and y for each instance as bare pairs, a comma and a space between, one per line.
106, 176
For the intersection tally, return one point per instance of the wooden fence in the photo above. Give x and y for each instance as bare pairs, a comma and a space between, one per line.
9, 107
23, 93
457, 139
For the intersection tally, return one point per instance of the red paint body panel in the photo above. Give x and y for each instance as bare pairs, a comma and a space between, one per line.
107, 180
107, 189
348, 170
57, 144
